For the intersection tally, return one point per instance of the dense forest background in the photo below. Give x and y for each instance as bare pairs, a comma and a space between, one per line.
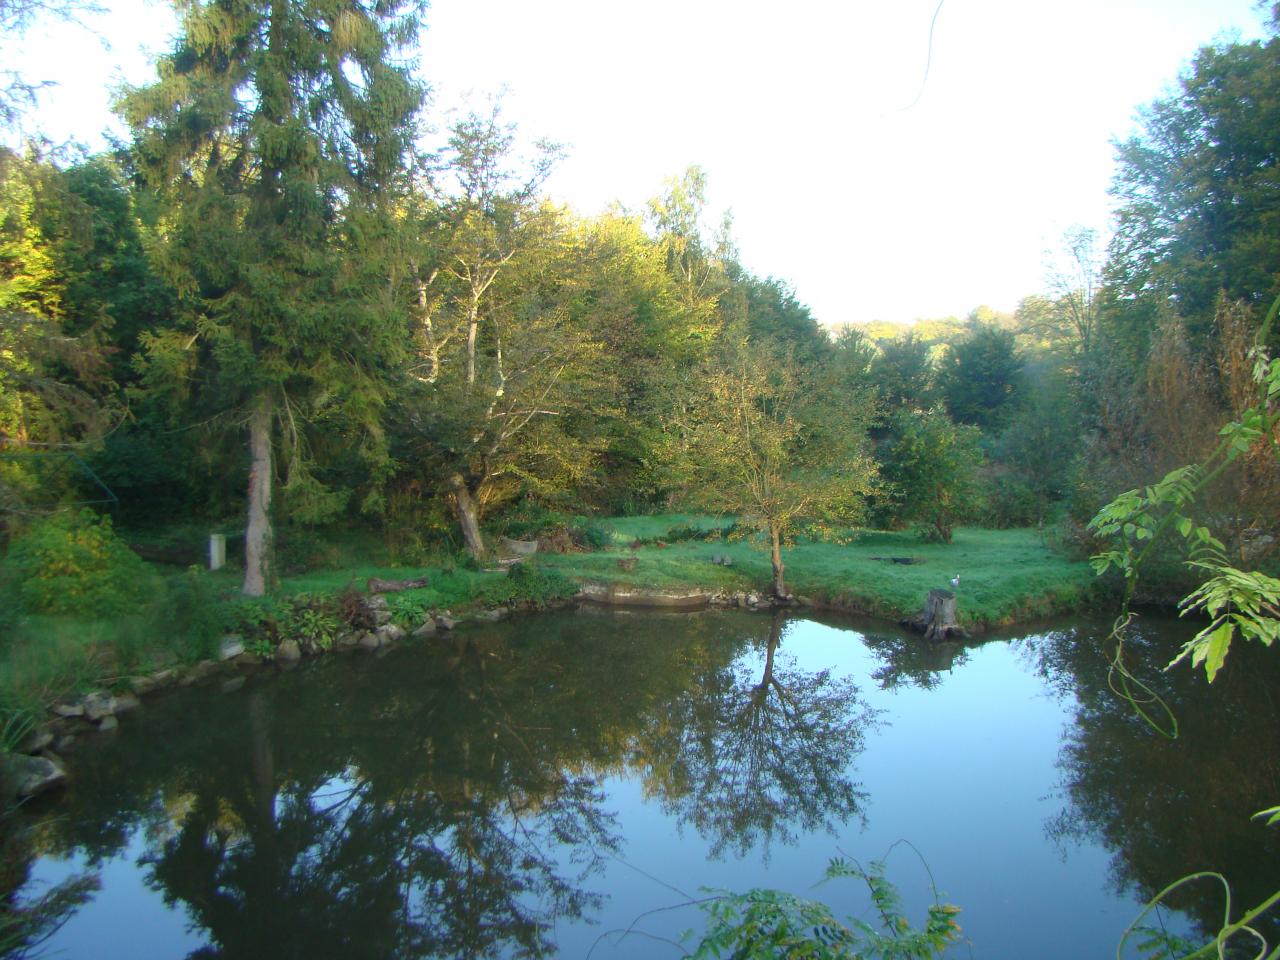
274, 310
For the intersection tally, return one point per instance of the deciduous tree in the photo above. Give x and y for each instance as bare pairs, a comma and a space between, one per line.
763, 437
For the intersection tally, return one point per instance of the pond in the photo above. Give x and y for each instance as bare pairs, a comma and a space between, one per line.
565, 785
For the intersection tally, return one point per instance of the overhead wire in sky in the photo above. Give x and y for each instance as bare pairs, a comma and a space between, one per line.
928, 60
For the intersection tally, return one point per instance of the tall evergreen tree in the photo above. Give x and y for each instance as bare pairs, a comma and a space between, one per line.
275, 133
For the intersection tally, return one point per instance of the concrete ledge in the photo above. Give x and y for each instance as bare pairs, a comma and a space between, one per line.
621, 595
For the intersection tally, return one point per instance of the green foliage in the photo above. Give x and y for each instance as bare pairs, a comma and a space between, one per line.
768, 924
528, 582
929, 466
981, 378
1192, 220
73, 563
313, 621
281, 247
763, 437
195, 612
590, 534
1158, 944
1238, 601
904, 375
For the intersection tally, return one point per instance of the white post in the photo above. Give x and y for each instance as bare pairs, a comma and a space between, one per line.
217, 551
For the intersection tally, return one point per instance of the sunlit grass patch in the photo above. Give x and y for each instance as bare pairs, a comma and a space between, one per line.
1004, 574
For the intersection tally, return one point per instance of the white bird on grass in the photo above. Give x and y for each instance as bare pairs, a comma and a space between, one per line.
955, 582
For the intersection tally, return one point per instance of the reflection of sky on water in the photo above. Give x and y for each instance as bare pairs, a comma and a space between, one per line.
967, 771
125, 920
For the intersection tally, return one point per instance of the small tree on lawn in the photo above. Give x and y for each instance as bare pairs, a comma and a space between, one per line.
930, 466
762, 437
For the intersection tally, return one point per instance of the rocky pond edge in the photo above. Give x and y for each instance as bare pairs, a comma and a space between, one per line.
38, 763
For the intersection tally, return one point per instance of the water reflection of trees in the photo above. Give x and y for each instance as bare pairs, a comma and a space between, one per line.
1167, 808
447, 801
909, 661
757, 752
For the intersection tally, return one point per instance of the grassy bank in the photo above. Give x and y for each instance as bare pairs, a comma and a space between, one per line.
1005, 576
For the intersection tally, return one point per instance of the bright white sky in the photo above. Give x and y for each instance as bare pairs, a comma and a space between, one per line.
875, 197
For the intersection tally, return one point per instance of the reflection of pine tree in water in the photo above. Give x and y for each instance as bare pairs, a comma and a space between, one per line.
1168, 808
745, 761
456, 862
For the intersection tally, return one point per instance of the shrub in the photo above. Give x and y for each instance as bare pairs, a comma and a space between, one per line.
1011, 502
194, 614
590, 534
73, 563
528, 582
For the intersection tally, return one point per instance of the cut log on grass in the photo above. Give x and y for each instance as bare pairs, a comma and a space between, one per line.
937, 621
906, 561
395, 586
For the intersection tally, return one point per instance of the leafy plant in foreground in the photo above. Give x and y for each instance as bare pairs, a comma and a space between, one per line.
768, 924
1239, 602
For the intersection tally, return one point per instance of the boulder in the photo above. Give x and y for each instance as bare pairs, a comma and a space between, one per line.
390, 633
428, 629
232, 685
370, 641
198, 672
494, 615
126, 702
377, 609
347, 641
446, 623
29, 776
152, 682
108, 724
66, 743
98, 705
230, 648
38, 739
288, 652
68, 710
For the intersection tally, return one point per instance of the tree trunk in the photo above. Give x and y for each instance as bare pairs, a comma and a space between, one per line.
473, 327
775, 545
465, 506
257, 534
937, 621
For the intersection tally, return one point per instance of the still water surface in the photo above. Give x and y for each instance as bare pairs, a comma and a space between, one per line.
564, 785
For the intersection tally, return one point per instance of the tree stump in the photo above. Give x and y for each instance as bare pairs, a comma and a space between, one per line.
937, 621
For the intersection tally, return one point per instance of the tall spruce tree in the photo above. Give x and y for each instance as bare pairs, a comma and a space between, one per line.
275, 134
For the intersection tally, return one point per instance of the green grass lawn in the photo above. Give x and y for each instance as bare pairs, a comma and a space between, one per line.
1005, 575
